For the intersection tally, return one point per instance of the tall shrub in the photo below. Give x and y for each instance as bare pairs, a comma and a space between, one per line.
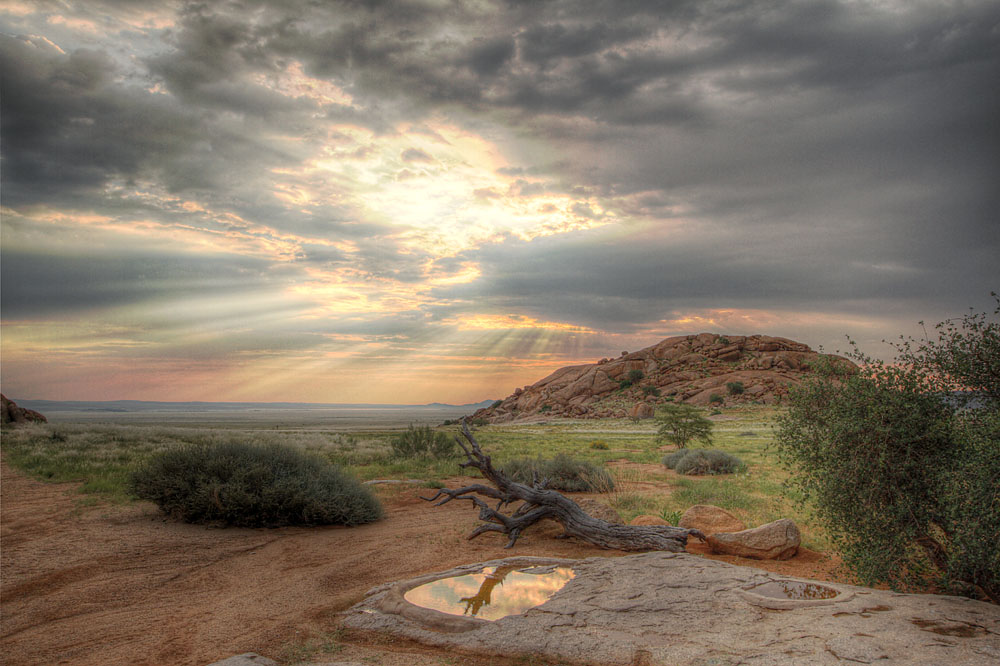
905, 480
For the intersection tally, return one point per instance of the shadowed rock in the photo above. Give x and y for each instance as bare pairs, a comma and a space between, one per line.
11, 413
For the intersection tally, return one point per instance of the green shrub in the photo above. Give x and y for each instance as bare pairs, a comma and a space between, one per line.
545, 409
703, 461
680, 424
635, 376
496, 403
715, 399
651, 390
723, 340
562, 472
734, 388
906, 482
252, 486
599, 444
423, 442
671, 459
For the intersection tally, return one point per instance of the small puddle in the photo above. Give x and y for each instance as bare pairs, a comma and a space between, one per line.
790, 589
493, 593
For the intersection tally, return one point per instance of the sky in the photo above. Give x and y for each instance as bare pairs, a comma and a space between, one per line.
443, 200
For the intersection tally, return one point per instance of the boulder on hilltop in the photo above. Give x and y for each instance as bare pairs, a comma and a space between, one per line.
695, 369
11, 413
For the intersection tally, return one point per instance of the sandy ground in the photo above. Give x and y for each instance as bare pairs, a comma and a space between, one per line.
120, 585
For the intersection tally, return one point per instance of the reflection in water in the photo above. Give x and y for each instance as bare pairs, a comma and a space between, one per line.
790, 589
492, 593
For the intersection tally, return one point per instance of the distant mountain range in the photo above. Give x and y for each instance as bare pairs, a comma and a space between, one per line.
131, 406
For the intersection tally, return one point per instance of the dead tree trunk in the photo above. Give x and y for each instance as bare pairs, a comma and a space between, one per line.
540, 502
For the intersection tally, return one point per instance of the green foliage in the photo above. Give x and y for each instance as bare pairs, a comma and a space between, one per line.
252, 486
623, 384
723, 340
735, 388
496, 403
635, 376
423, 442
680, 424
561, 472
715, 399
702, 461
545, 409
906, 483
600, 445
651, 390
973, 510
671, 459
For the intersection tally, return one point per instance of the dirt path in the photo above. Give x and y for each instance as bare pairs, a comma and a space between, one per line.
119, 585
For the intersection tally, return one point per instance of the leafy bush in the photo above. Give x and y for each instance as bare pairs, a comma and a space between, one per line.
734, 388
715, 399
562, 473
635, 376
905, 481
496, 403
671, 459
702, 461
545, 409
651, 390
599, 444
423, 442
252, 486
680, 424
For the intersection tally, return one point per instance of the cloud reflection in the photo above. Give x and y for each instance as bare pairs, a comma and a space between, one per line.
491, 594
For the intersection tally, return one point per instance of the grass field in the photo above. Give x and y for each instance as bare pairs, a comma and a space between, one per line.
100, 457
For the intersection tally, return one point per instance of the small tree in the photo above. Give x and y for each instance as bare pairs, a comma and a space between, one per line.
635, 376
680, 424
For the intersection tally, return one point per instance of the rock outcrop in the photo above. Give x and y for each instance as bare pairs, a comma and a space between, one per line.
11, 413
695, 369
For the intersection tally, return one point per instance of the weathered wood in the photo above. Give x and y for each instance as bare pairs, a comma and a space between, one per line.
540, 502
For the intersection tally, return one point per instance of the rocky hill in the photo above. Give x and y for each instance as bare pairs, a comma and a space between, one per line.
700, 369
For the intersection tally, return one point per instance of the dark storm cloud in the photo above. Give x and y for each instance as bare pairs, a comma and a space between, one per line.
69, 129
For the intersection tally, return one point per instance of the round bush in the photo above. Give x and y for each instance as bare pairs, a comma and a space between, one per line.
702, 461
562, 472
245, 485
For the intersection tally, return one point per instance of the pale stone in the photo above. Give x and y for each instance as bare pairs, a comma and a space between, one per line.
774, 541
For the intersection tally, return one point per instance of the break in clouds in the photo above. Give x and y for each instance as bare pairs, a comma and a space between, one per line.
222, 200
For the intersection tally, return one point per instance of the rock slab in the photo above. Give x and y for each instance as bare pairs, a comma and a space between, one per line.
774, 541
671, 608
